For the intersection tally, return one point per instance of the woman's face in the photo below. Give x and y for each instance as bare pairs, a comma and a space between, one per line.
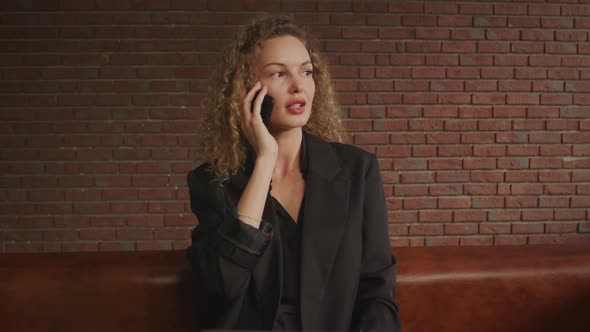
284, 66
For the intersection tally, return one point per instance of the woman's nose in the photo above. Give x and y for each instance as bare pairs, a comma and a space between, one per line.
296, 84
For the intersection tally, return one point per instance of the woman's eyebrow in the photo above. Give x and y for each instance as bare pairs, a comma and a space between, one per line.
308, 62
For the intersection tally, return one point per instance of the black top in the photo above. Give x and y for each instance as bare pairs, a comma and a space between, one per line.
288, 317
290, 233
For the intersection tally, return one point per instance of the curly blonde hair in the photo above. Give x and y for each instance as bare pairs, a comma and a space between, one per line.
223, 144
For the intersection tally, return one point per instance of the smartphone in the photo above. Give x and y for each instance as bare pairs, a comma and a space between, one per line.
265, 109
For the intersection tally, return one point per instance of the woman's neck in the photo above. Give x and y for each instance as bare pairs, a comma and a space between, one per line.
289, 143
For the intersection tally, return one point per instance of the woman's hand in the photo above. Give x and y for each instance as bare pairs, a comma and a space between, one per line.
254, 129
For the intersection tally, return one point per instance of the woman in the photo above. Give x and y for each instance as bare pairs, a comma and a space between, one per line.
292, 230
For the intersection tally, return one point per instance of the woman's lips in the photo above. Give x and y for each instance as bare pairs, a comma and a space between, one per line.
296, 107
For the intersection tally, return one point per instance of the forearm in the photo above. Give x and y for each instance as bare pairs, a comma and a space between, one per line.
251, 204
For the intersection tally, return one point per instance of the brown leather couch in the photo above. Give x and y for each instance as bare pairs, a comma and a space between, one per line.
519, 288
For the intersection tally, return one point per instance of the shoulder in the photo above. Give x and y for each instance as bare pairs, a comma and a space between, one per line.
353, 157
202, 179
347, 151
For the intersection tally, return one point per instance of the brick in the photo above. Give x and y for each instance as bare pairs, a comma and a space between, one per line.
494, 228
510, 240
555, 22
404, 112
459, 47
419, 203
455, 20
487, 202
172, 233
578, 99
454, 203
579, 137
476, 8
365, 112
528, 228
421, 177
108, 221
436, 34
398, 230
442, 241
480, 189
502, 34
556, 202
561, 48
403, 216
556, 150
562, 227
445, 164
537, 215
429, 229
419, 20
408, 138
469, 216
476, 241
489, 150
580, 201
468, 34
461, 229
411, 85
434, 216
489, 98
490, 21
482, 85
569, 35
97, 234
382, 46
446, 85
477, 138
445, 189
510, 9
411, 190
460, 125
475, 112
521, 176
454, 98
153, 245
509, 112
426, 124
134, 234
454, 150
452, 176
423, 151
559, 189
521, 202
394, 72
422, 47
498, 73
476, 60
463, 73
479, 163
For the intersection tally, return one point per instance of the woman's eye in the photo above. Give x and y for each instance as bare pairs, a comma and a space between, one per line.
308, 72
277, 74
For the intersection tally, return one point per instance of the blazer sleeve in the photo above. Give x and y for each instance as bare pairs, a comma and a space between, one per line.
224, 250
375, 308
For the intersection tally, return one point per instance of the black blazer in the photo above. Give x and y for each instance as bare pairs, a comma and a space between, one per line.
347, 272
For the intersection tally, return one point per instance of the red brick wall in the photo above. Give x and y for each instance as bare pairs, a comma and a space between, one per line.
478, 111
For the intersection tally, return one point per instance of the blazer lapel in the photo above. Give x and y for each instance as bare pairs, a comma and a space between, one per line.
324, 220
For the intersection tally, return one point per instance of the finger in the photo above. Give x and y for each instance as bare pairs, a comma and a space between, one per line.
250, 96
